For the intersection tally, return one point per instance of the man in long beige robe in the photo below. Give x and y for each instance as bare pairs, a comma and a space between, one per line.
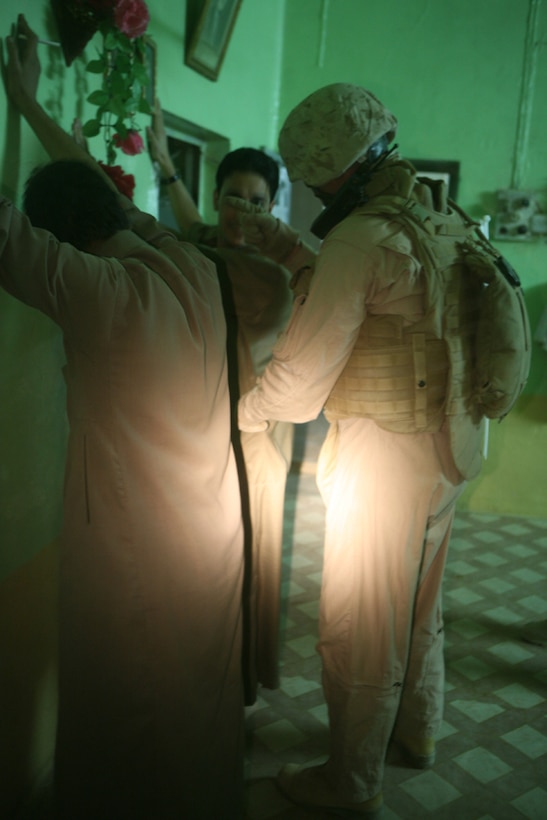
151, 550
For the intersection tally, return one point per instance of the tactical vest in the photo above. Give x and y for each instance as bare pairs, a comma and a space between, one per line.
408, 378
418, 378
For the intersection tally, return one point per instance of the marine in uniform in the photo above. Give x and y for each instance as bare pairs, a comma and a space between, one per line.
385, 348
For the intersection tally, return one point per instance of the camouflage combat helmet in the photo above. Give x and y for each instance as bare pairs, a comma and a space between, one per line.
331, 129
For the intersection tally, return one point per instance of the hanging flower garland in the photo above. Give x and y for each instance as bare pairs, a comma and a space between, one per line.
122, 64
125, 183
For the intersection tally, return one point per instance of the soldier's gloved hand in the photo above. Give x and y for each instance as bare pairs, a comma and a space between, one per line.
273, 237
270, 235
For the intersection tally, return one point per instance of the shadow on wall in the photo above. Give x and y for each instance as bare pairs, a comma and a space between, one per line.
536, 302
28, 682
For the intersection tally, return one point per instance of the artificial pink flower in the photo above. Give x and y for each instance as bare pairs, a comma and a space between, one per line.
125, 183
131, 145
131, 17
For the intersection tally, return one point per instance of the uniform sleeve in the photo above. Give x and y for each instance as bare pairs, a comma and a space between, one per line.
75, 289
318, 340
200, 233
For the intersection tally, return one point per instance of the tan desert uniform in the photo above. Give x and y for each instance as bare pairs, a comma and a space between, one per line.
263, 302
390, 503
150, 696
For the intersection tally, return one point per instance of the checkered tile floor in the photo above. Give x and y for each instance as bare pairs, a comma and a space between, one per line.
492, 752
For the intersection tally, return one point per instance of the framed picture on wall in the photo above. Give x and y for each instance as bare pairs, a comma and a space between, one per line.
210, 34
446, 169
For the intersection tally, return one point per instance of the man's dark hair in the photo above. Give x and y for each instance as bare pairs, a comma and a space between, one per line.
72, 201
249, 160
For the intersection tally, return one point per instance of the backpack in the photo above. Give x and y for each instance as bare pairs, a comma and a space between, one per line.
503, 341
502, 346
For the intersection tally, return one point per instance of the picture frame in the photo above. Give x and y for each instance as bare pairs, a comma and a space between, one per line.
208, 35
446, 169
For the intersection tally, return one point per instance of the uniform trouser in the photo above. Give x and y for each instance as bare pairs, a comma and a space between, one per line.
267, 460
390, 507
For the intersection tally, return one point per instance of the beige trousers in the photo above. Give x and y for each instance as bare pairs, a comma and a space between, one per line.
390, 507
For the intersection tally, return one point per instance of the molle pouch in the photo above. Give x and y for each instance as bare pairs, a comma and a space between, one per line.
503, 341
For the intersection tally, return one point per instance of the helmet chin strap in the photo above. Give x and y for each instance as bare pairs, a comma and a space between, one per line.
352, 193
376, 149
